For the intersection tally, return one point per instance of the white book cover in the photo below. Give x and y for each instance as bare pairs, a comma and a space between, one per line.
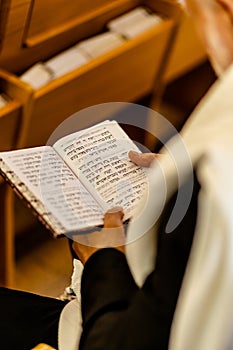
128, 19
134, 23
142, 26
100, 44
66, 61
37, 76
3, 100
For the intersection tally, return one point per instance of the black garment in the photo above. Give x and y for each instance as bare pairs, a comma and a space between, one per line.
119, 315
116, 313
28, 319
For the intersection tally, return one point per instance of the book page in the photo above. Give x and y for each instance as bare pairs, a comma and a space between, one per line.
99, 158
49, 181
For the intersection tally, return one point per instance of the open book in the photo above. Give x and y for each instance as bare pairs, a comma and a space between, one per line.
71, 184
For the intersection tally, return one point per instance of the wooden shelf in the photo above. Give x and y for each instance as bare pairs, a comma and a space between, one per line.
124, 74
43, 27
26, 41
187, 51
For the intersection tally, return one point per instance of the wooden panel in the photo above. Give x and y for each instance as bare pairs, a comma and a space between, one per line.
13, 31
125, 74
20, 51
80, 26
167, 8
49, 14
10, 117
4, 10
9, 124
65, 15
26, 43
13, 119
6, 236
20, 93
187, 51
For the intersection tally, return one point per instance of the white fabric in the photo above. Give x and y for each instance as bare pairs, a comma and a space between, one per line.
70, 323
204, 314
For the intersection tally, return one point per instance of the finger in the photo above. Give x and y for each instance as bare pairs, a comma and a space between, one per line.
142, 159
113, 217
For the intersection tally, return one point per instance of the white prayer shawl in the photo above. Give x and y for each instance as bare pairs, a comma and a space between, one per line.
204, 314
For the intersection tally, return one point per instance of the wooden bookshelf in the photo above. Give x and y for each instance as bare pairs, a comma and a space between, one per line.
37, 29
125, 74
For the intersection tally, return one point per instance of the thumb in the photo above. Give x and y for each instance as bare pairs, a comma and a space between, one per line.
142, 159
113, 217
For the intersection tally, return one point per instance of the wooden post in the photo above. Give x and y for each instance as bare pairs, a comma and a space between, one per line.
6, 235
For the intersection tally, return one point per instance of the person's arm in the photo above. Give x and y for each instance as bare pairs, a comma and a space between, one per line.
119, 315
107, 290
107, 285
116, 313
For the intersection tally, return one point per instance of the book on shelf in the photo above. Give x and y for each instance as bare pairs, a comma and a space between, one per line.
100, 44
126, 26
37, 76
66, 62
4, 100
71, 184
134, 22
42, 73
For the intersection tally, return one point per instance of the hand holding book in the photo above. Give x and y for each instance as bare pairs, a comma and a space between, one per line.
73, 183
111, 236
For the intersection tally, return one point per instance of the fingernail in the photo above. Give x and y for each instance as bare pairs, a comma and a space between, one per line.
115, 209
134, 152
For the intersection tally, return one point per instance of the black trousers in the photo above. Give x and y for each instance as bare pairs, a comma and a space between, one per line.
28, 319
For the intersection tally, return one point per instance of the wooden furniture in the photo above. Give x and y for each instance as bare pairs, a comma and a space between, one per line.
36, 30
127, 73
12, 120
186, 53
